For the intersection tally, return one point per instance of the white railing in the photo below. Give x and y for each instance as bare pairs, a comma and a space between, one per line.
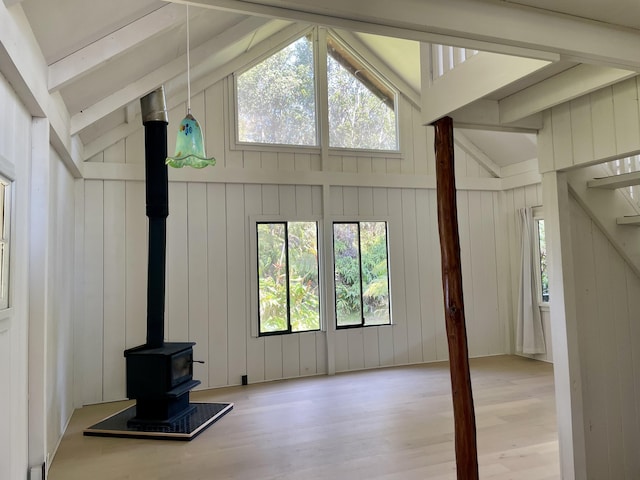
445, 58
627, 165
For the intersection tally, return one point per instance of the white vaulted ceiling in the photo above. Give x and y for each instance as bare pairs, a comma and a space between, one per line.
103, 56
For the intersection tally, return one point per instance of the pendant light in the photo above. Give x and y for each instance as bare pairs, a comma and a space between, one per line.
189, 142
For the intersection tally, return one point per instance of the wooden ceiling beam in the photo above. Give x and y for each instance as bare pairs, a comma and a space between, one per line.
97, 54
163, 74
487, 26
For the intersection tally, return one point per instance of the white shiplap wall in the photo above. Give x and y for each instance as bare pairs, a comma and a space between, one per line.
607, 308
593, 128
209, 269
209, 275
15, 146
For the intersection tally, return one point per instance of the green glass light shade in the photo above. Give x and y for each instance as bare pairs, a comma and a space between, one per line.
189, 146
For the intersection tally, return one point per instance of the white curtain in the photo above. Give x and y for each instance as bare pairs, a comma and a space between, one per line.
529, 333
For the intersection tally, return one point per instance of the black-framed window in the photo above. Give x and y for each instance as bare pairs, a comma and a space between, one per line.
288, 278
542, 273
361, 271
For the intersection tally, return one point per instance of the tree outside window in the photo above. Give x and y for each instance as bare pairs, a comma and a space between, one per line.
288, 281
276, 100
361, 274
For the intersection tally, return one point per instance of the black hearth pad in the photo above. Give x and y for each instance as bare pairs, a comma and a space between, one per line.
184, 429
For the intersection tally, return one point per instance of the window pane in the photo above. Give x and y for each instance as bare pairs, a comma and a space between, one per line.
276, 98
303, 276
544, 277
361, 109
375, 273
347, 274
272, 277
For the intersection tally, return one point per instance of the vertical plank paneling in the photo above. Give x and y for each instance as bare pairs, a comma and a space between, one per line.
290, 356
321, 352
398, 288
350, 202
425, 263
349, 164
341, 350
371, 352
302, 162
419, 139
136, 264
562, 138
237, 284
488, 298
198, 278
269, 160
581, 129
625, 109
134, 147
217, 264
603, 124
286, 162
273, 358
411, 276
252, 160
93, 331
216, 127
255, 346
177, 287
466, 225
308, 353
114, 290
355, 345
606, 337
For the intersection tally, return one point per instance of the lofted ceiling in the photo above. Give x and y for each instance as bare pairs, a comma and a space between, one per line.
103, 56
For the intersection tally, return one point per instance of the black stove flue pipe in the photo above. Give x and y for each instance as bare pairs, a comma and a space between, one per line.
155, 121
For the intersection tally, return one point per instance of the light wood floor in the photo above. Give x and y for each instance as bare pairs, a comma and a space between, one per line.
393, 423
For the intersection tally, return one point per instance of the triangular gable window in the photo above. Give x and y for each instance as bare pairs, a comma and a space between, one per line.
361, 106
276, 98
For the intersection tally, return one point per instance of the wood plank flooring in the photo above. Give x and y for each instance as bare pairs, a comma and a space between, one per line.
391, 424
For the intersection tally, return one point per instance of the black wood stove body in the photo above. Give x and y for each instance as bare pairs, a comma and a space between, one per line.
159, 373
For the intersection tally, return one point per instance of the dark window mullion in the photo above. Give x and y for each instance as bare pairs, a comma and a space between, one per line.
360, 267
286, 260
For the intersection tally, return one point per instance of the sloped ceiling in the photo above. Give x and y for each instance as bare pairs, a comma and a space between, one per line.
103, 56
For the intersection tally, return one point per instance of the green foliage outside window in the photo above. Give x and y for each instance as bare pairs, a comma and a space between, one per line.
361, 273
276, 101
289, 299
276, 98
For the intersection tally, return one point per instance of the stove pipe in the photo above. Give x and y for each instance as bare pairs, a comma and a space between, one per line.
155, 121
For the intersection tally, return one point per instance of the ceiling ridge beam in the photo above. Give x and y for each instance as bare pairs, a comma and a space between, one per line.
461, 23
98, 53
176, 67
562, 87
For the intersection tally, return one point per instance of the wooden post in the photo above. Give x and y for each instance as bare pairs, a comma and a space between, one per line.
463, 412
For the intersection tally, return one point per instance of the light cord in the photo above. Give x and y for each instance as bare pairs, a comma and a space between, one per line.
188, 67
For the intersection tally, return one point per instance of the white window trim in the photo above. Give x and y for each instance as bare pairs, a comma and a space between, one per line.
253, 265
322, 123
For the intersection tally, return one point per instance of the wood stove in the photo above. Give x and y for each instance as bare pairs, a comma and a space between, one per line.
159, 373
160, 380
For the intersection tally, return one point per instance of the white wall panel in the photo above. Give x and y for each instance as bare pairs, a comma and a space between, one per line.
607, 290
15, 148
209, 269
600, 126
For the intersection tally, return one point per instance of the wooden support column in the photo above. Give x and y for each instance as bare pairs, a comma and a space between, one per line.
463, 411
